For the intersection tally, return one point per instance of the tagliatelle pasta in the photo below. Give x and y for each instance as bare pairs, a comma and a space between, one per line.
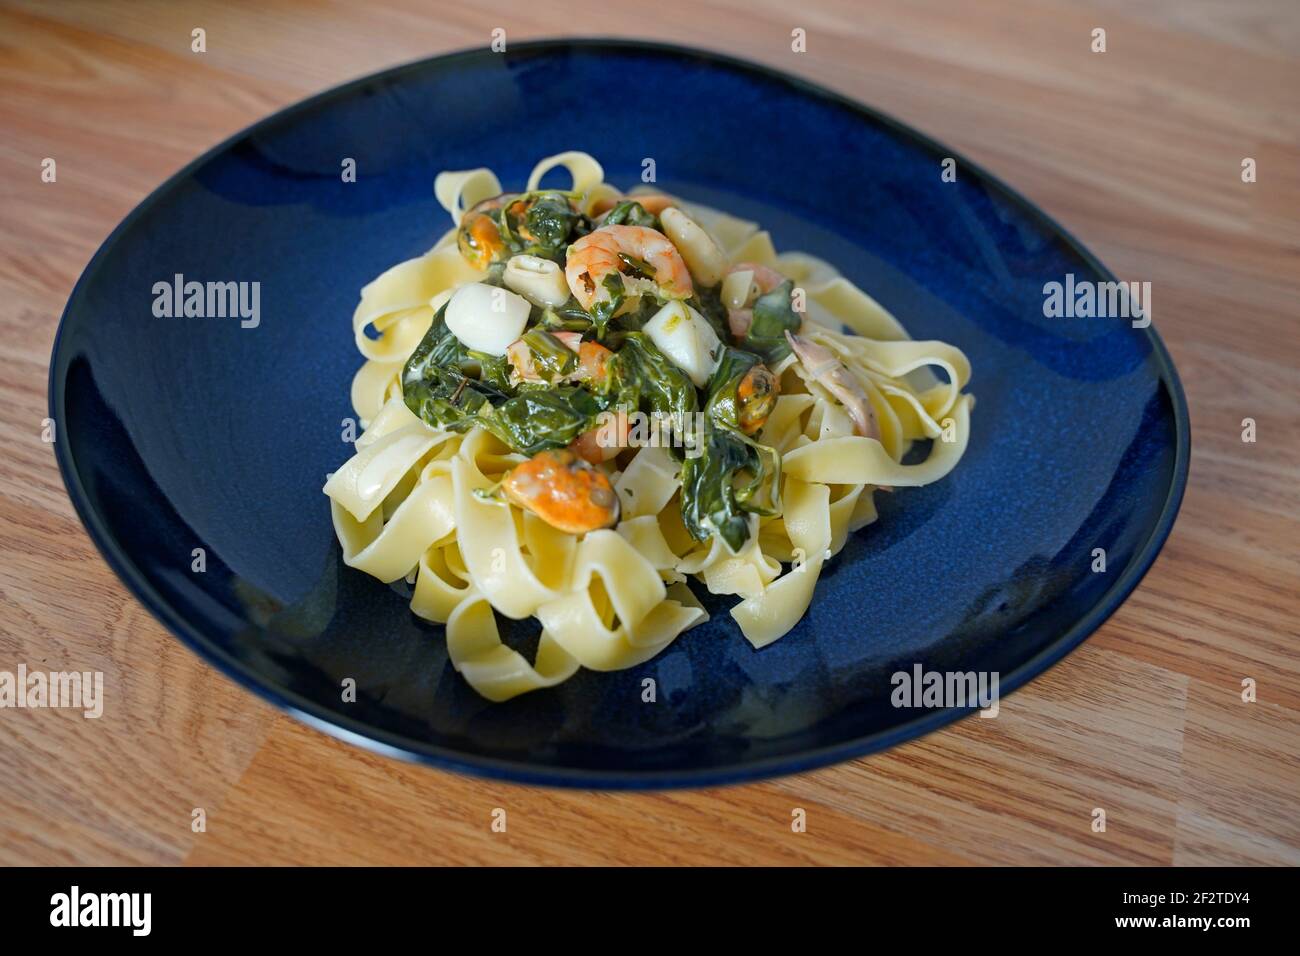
509, 371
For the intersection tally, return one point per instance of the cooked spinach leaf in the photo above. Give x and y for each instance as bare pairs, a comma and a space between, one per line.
708, 302
542, 223
641, 378
440, 380
541, 418
492, 370
708, 495
569, 317
449, 386
629, 212
735, 476
552, 359
773, 315
602, 312
636, 268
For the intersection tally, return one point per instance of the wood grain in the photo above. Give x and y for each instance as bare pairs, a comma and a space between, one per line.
1136, 150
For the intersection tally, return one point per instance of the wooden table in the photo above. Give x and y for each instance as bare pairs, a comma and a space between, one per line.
1138, 150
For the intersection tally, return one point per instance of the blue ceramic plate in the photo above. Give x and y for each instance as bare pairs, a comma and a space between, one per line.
183, 433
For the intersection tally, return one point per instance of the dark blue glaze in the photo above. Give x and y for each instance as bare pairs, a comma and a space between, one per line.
177, 434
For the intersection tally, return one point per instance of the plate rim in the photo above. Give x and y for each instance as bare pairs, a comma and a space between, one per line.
395, 745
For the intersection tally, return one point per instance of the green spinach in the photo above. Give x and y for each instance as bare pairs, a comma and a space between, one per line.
629, 212
540, 418
641, 378
542, 223
437, 384
552, 359
735, 476
773, 316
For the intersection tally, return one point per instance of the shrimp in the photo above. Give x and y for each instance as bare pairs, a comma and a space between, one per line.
593, 363
653, 203
831, 373
606, 252
563, 490
763, 282
606, 440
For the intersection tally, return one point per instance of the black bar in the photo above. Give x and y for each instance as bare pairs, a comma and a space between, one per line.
335, 904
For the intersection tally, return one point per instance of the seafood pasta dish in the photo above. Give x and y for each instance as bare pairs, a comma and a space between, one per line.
581, 405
